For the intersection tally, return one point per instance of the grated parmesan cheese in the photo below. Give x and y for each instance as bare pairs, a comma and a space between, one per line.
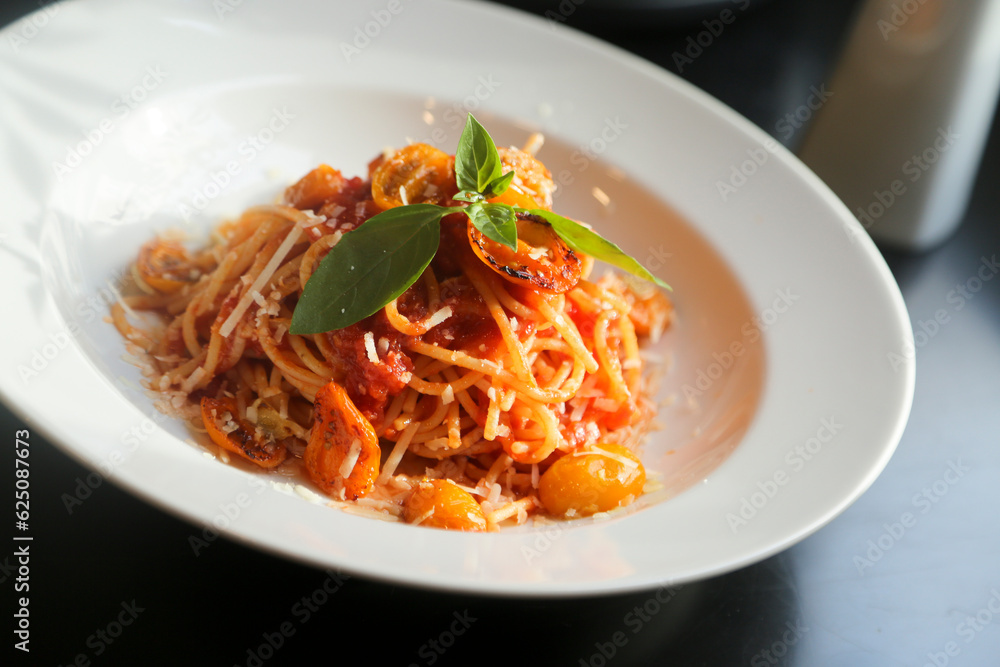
347, 467
309, 494
627, 462
279, 255
448, 395
579, 407
311, 219
439, 317
370, 347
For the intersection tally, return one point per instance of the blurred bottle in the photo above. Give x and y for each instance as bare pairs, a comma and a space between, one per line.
913, 96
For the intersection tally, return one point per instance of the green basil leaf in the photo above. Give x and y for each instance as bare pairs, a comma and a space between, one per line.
498, 186
468, 196
477, 162
369, 267
495, 221
587, 241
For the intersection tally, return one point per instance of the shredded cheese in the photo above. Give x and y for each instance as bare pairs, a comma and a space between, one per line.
370, 347
534, 143
439, 317
347, 467
627, 462
279, 255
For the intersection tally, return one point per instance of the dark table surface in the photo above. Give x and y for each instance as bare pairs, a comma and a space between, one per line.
864, 590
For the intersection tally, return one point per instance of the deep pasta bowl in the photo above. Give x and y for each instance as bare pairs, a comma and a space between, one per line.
788, 371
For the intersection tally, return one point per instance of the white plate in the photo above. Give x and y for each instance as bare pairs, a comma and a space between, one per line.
114, 114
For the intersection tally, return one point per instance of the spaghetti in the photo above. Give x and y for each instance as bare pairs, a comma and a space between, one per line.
474, 398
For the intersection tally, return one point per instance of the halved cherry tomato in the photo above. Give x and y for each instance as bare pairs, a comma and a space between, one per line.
542, 260
243, 440
339, 433
585, 483
533, 186
425, 173
315, 188
440, 503
164, 266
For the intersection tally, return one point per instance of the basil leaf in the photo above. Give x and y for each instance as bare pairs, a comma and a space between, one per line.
470, 197
496, 221
477, 162
369, 267
587, 241
498, 186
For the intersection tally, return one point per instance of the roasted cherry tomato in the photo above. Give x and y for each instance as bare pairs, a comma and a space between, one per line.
424, 173
533, 186
585, 483
542, 260
343, 451
440, 503
165, 266
315, 188
237, 435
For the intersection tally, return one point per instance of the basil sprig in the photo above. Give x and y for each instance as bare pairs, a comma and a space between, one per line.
478, 170
378, 261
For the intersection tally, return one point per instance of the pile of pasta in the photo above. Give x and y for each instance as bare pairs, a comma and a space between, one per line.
476, 398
